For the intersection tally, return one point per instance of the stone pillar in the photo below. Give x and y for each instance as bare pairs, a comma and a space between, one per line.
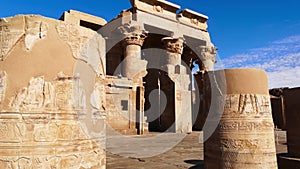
244, 137
208, 56
174, 48
175, 82
133, 67
132, 43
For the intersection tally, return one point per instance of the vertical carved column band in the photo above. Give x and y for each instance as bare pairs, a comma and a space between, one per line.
208, 56
244, 137
134, 37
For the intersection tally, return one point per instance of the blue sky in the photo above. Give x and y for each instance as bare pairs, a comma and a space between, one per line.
247, 33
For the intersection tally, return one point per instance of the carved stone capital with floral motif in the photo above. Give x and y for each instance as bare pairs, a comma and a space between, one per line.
207, 53
133, 34
173, 45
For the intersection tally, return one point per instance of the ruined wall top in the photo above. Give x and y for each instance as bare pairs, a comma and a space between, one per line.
83, 19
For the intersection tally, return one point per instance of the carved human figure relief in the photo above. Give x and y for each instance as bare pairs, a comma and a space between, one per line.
66, 93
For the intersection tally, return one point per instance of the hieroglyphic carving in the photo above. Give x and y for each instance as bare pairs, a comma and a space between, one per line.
70, 161
8, 38
45, 133
67, 132
70, 34
85, 45
63, 93
247, 105
69, 93
246, 126
240, 144
3, 77
35, 30
49, 95
9, 132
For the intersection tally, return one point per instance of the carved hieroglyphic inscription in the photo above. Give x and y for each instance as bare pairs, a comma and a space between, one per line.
45, 132
9, 132
241, 144
3, 82
245, 134
247, 105
246, 126
70, 34
8, 38
85, 45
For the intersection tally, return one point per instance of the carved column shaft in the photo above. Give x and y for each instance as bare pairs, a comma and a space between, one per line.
175, 84
244, 137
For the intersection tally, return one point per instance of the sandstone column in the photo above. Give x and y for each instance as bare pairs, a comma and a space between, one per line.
175, 82
244, 137
208, 56
134, 68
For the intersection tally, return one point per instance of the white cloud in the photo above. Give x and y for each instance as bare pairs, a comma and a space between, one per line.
280, 59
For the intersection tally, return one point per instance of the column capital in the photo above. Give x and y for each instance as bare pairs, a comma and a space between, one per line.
133, 34
173, 45
207, 53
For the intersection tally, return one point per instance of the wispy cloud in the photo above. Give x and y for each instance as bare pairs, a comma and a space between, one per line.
281, 60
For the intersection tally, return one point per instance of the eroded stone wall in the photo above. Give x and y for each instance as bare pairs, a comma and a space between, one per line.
51, 94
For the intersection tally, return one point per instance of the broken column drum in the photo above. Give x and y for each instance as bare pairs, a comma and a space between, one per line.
244, 137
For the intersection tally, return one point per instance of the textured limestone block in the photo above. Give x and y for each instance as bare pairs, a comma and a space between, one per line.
244, 137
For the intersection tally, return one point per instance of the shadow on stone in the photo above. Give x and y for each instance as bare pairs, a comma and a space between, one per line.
198, 164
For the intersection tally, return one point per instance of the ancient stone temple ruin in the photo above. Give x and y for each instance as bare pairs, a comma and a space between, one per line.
65, 84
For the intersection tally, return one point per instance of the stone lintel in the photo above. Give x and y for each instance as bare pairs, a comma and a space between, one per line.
194, 15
